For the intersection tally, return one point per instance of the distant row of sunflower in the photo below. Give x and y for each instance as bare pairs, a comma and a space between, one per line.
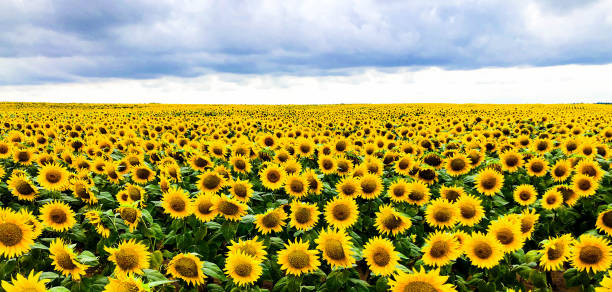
297, 198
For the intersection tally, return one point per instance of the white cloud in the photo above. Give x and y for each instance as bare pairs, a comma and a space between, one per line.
553, 84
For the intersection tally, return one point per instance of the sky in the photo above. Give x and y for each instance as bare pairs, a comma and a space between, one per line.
270, 52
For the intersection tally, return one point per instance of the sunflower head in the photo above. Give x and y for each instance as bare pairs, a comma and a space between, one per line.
304, 216
187, 267
381, 256
297, 259
271, 220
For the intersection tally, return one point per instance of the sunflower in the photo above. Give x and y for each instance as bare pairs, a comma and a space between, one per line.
133, 193
381, 256
177, 203
591, 254
129, 257
22, 187
389, 221
441, 213
584, 185
16, 235
345, 166
80, 189
296, 185
297, 259
242, 268
199, 162
315, 186
37, 226
508, 233
476, 157
537, 167
525, 194
65, 261
348, 187
57, 215
489, 182
271, 220
304, 216
398, 190
590, 168
484, 251
230, 209
32, 283
273, 177
528, 220
440, 249
171, 171
370, 186
452, 194
606, 284
457, 165
252, 247
427, 174
420, 281
203, 207
470, 210
292, 166
5, 150
542, 146
552, 199
341, 212
125, 284
210, 182
187, 267
305, 147
404, 164
240, 164
336, 247
130, 216
555, 252
561, 170
511, 160
23, 156
241, 190
142, 174
604, 222
327, 164
418, 193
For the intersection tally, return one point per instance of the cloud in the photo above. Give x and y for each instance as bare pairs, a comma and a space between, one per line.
53, 41
547, 84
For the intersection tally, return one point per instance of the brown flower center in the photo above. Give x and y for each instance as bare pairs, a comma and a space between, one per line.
271, 220
23, 187
273, 176
419, 286
468, 211
457, 164
211, 181
298, 259
53, 176
381, 258
10, 234
186, 267
129, 214
439, 249
591, 255
505, 236
64, 260
341, 212
302, 215
334, 249
58, 216
243, 269
228, 208
177, 204
127, 259
483, 250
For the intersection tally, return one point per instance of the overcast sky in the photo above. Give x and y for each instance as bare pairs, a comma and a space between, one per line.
306, 51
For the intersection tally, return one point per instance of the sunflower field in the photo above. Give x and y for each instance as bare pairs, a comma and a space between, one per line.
414, 197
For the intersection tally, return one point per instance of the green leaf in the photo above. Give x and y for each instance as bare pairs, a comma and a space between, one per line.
59, 289
212, 270
153, 275
49, 275
88, 258
162, 282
